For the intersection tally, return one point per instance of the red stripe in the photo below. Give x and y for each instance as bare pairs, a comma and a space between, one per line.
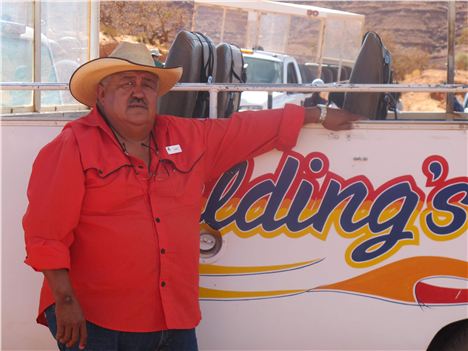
426, 293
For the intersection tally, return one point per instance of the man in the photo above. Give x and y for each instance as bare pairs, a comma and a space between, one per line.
115, 200
157, 58
315, 99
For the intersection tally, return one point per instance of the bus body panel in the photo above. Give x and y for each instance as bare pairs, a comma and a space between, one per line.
295, 284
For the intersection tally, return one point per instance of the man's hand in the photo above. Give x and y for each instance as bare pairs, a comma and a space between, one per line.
336, 119
71, 323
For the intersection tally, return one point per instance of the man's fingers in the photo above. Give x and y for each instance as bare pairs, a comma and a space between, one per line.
60, 331
75, 334
83, 335
351, 116
347, 126
66, 334
70, 321
354, 117
344, 125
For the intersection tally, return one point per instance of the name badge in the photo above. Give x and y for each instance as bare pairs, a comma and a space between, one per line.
173, 149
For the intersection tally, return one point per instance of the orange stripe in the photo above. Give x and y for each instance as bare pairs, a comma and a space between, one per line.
397, 280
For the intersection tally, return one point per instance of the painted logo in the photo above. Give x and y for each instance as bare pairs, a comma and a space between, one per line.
304, 197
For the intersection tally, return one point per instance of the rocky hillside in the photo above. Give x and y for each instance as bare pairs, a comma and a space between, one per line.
410, 24
419, 25
415, 32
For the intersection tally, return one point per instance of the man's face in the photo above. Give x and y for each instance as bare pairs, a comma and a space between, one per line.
129, 98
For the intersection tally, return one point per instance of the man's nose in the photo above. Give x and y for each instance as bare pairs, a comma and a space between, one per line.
137, 89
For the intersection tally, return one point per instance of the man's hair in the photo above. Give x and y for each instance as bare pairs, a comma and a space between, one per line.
105, 80
452, 337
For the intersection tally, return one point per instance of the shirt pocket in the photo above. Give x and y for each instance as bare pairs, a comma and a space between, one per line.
182, 181
110, 188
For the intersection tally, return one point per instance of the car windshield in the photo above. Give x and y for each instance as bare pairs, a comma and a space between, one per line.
263, 71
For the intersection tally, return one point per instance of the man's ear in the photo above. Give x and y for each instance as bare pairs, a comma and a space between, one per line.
99, 92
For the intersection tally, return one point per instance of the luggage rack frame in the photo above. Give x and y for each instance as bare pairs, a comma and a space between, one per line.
216, 88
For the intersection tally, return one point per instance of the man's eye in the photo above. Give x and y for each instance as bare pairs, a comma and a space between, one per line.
128, 85
150, 85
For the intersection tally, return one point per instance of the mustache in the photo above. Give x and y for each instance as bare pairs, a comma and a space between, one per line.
137, 101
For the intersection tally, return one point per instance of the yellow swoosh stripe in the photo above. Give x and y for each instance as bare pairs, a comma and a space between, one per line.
396, 280
206, 293
210, 269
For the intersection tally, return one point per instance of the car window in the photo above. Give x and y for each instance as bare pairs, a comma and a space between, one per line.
263, 71
292, 76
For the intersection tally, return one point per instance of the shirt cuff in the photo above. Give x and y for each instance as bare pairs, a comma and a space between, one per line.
290, 126
47, 254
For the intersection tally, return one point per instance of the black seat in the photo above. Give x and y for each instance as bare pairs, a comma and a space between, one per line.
327, 74
229, 69
196, 54
345, 72
372, 66
334, 70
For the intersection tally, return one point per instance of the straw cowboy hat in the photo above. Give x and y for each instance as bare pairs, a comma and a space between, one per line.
125, 57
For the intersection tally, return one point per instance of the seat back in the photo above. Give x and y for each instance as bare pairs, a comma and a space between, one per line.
345, 73
334, 70
195, 52
372, 66
307, 73
229, 69
327, 74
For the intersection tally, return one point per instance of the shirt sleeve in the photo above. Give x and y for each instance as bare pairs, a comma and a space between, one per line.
248, 134
55, 194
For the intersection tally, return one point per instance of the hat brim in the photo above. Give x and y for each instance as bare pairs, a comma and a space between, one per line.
84, 81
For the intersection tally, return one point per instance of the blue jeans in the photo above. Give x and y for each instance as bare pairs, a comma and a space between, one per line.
102, 339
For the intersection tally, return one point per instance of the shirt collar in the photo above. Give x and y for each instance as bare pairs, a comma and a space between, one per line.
164, 134
96, 119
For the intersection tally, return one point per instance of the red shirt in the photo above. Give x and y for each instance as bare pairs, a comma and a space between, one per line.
131, 240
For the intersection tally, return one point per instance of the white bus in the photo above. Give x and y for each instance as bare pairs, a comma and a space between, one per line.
354, 240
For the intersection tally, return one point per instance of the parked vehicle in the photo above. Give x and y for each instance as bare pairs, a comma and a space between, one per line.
264, 67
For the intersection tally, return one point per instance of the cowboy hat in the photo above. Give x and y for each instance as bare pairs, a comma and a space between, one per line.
125, 57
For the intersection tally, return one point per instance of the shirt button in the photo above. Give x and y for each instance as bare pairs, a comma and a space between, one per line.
163, 284
157, 220
163, 251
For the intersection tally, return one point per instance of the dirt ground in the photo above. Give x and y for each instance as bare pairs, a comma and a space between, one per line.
427, 101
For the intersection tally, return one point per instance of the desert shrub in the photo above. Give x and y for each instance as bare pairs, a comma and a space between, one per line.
407, 60
404, 60
461, 61
150, 22
462, 39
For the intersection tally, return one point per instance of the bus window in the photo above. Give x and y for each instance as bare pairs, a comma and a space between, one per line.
17, 65
64, 46
65, 24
